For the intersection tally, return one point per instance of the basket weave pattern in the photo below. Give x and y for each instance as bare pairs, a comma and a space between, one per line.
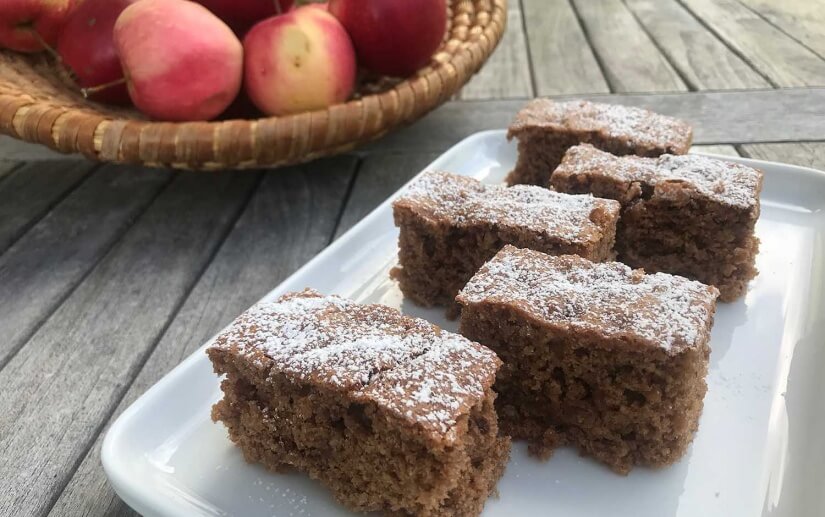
36, 105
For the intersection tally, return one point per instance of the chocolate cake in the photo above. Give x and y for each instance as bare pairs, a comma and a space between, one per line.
596, 355
545, 129
688, 215
391, 413
450, 225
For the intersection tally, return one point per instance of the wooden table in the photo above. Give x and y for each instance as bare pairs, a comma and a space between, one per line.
110, 276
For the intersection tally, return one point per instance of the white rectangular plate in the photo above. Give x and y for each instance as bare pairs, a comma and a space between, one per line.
760, 446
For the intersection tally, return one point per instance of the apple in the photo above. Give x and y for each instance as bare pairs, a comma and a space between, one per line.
243, 14
181, 61
299, 61
25, 25
87, 47
393, 37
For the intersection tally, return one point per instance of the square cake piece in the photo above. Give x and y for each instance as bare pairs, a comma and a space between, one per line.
391, 413
545, 129
687, 215
450, 225
596, 355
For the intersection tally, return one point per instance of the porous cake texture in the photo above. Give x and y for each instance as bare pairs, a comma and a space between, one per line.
596, 355
450, 225
545, 129
391, 413
688, 215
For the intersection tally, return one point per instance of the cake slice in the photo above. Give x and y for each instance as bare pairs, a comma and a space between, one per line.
598, 356
450, 225
391, 413
688, 215
545, 129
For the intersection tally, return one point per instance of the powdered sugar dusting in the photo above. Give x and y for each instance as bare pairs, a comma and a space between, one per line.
724, 182
635, 126
609, 299
465, 202
405, 365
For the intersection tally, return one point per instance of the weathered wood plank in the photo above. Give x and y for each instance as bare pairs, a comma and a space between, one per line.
62, 386
629, 58
717, 117
49, 261
7, 167
561, 58
289, 219
15, 150
378, 177
805, 154
727, 150
778, 57
704, 62
802, 20
31, 191
506, 74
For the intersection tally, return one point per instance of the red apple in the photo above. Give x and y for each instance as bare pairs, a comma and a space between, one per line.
22, 21
181, 62
243, 14
299, 61
87, 46
393, 37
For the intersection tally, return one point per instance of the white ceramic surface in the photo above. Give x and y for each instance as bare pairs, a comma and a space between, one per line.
761, 442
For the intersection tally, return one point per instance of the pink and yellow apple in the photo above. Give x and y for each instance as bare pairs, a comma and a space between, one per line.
243, 14
181, 62
22, 21
87, 47
393, 37
299, 61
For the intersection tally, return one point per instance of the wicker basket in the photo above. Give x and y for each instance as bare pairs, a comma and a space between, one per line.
36, 105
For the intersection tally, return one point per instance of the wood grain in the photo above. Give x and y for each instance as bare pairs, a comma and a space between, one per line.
778, 57
15, 150
39, 271
703, 60
726, 150
802, 20
288, 220
561, 57
62, 386
31, 191
507, 73
378, 177
629, 58
805, 154
717, 117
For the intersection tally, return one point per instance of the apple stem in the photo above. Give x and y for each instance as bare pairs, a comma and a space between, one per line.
45, 45
87, 92
278, 9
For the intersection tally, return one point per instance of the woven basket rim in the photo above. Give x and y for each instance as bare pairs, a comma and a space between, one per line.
36, 109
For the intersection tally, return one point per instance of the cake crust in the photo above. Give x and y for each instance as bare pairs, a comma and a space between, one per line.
391, 413
688, 215
450, 225
596, 355
545, 130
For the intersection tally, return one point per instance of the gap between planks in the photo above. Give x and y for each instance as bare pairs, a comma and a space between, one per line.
779, 58
630, 60
704, 61
562, 60
44, 267
29, 192
746, 116
60, 386
282, 227
506, 74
